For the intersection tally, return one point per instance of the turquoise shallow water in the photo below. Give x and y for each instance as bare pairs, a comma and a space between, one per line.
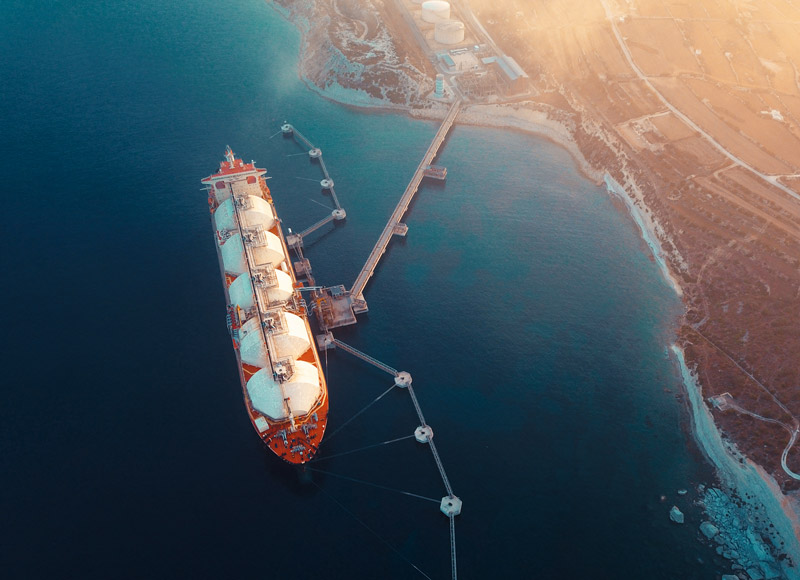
522, 301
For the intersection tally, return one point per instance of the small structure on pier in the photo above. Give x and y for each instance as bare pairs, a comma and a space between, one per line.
400, 229
436, 172
333, 307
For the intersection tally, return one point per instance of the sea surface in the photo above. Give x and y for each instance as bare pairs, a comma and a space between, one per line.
523, 302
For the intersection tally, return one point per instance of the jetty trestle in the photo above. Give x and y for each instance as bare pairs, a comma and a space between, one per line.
365, 357
394, 225
451, 504
295, 240
403, 379
336, 306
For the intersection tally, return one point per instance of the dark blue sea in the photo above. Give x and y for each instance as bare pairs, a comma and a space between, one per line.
523, 302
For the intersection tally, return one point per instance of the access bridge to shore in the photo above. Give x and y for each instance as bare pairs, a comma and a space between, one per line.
394, 225
337, 306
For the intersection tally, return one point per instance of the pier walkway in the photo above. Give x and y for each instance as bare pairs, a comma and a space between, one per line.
295, 240
394, 225
451, 504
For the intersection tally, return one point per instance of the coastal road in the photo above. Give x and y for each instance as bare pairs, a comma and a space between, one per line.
793, 430
771, 179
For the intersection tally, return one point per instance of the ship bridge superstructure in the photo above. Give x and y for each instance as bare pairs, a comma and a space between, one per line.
283, 383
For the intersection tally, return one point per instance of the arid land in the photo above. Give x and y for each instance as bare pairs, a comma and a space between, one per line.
695, 109
699, 105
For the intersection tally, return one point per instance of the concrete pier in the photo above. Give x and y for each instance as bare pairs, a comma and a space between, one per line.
394, 225
338, 308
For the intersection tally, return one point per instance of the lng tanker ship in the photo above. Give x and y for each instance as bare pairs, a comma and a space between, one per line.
279, 366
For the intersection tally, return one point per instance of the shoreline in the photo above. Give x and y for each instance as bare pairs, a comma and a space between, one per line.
755, 487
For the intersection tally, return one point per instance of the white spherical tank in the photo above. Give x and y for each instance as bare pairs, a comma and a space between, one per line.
449, 32
435, 10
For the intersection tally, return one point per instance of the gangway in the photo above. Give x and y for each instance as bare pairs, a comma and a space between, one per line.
357, 290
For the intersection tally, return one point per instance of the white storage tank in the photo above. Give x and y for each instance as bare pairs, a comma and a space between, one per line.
302, 391
254, 209
266, 249
252, 348
295, 340
449, 32
435, 11
241, 291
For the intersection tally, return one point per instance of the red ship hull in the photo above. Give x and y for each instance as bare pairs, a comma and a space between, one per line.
283, 382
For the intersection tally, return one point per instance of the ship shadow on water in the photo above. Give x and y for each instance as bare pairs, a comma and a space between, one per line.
299, 480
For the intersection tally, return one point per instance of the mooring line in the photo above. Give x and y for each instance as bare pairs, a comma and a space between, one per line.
373, 532
343, 425
353, 479
316, 459
274, 134
322, 204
